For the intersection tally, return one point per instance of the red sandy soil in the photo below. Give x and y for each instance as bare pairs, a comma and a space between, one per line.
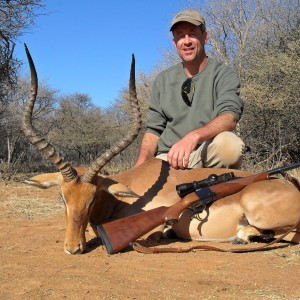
34, 266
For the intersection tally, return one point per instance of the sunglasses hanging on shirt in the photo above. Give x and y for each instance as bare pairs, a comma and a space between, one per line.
187, 91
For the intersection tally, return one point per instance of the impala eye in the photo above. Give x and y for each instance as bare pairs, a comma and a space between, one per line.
62, 199
89, 206
93, 201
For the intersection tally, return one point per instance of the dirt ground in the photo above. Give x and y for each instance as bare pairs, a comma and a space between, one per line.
34, 266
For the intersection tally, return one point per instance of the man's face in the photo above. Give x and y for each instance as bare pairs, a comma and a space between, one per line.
189, 41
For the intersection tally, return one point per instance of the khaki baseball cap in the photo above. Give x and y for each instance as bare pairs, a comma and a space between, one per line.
190, 15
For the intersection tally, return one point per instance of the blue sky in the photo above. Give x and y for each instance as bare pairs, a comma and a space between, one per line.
86, 46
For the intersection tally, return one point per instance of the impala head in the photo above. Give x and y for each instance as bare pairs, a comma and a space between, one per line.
78, 191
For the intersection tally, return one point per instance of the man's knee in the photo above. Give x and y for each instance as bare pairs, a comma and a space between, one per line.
228, 149
224, 151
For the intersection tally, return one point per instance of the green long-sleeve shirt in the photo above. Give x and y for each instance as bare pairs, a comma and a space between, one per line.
217, 90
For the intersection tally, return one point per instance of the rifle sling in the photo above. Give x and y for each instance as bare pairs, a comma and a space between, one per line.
154, 250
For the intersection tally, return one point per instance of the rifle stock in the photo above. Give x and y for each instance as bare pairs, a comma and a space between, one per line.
118, 234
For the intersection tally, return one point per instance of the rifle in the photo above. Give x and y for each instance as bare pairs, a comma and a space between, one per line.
118, 234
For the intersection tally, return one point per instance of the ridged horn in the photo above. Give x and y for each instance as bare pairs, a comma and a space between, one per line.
100, 162
34, 137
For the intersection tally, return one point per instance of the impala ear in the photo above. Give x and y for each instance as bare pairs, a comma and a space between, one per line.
121, 190
44, 181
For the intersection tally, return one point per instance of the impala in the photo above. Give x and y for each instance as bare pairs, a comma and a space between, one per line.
91, 198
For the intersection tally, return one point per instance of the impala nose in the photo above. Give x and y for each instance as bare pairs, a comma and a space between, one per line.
77, 250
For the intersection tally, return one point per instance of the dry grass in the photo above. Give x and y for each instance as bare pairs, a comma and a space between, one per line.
295, 173
292, 257
264, 294
29, 202
31, 208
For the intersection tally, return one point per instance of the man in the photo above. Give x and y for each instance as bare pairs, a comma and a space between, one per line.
194, 105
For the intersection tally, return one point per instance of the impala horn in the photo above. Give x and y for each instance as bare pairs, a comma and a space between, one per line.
34, 137
101, 161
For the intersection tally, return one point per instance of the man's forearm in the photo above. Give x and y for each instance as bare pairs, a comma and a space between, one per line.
224, 122
148, 147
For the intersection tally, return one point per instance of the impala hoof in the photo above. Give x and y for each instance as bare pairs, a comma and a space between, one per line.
238, 241
267, 235
74, 252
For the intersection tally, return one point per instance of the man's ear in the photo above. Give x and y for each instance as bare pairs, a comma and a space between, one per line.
174, 43
206, 36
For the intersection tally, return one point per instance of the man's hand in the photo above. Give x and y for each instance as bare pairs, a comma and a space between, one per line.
179, 154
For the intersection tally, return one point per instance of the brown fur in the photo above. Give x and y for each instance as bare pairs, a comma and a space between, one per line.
272, 205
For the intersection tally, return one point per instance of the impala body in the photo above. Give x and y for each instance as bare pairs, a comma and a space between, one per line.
95, 199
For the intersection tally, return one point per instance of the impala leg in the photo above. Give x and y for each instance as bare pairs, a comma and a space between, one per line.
243, 236
92, 231
293, 237
155, 234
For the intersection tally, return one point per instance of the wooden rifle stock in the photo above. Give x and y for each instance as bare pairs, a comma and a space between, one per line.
117, 235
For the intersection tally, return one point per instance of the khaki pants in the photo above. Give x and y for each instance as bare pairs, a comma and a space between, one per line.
224, 151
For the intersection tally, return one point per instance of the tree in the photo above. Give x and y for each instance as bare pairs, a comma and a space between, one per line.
271, 122
14, 148
15, 17
79, 128
260, 40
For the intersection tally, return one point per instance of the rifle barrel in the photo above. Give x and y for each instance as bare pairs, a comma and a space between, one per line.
284, 168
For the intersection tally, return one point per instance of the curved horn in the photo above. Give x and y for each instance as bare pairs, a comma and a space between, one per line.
34, 137
100, 162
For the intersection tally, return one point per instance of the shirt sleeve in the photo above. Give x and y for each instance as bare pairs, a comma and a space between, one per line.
228, 95
156, 119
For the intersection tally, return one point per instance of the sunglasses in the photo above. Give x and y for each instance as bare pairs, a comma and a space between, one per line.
187, 91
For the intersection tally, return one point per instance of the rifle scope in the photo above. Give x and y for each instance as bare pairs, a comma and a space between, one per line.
187, 188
